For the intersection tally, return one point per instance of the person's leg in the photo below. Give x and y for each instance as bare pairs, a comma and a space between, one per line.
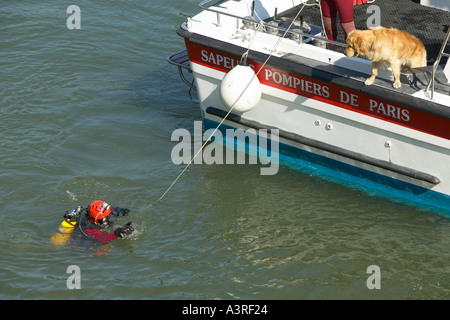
348, 27
345, 9
329, 19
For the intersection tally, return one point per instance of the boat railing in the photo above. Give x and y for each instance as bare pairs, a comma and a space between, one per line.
436, 63
181, 60
249, 19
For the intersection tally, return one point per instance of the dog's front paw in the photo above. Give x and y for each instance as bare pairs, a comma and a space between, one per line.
397, 84
368, 82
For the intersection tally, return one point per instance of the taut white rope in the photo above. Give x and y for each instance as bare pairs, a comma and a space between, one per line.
231, 108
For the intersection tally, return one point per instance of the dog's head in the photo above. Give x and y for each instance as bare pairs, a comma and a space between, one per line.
359, 43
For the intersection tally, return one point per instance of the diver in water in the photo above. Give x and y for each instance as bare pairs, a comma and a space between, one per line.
92, 222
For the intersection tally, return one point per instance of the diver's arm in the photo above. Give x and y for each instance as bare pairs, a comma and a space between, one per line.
119, 212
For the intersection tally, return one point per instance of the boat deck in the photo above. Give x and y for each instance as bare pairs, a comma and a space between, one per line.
428, 24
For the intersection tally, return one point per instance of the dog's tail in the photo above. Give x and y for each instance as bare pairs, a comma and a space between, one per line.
424, 59
419, 53
420, 59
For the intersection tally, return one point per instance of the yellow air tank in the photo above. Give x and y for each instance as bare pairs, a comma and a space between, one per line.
66, 227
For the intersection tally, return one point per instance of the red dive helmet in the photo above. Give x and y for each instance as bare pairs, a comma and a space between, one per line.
98, 210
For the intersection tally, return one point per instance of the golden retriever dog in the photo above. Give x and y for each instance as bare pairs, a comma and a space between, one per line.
393, 47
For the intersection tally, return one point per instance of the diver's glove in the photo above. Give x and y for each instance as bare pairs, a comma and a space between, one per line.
126, 229
120, 212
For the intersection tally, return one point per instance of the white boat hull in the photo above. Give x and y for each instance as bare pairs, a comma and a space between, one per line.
374, 139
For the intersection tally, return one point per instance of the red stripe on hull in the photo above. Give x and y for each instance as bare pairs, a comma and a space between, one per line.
325, 92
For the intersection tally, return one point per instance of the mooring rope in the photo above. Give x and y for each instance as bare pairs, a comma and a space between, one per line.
244, 56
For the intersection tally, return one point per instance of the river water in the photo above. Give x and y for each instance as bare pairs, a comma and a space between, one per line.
88, 114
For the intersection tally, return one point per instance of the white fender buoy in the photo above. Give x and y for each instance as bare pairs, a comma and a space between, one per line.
240, 88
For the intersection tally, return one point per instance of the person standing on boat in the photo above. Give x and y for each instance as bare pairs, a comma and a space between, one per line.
330, 9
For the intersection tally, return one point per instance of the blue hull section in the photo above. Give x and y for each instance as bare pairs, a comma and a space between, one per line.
354, 177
